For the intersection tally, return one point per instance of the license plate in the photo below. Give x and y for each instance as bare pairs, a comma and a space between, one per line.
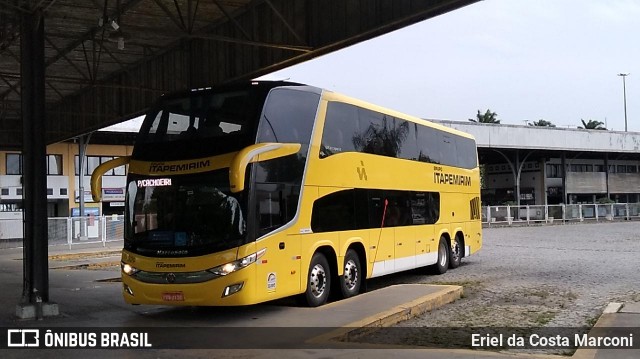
173, 296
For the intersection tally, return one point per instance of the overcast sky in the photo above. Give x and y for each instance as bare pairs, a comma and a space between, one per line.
556, 60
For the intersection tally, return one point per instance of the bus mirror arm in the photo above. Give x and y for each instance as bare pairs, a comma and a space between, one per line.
96, 176
256, 153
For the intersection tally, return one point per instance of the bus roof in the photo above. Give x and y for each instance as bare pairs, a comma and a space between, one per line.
327, 94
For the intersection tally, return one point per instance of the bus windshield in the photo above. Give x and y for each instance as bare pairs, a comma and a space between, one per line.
193, 212
184, 215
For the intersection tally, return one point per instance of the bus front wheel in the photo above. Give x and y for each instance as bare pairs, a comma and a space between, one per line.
443, 257
318, 281
351, 280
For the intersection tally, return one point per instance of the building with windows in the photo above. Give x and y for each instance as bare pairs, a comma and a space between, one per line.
63, 177
541, 182
542, 165
535, 165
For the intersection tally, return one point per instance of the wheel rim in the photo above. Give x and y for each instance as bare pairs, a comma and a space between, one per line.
443, 254
350, 274
455, 251
317, 280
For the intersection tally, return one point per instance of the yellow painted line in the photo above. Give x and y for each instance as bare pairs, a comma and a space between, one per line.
605, 320
392, 316
69, 256
91, 266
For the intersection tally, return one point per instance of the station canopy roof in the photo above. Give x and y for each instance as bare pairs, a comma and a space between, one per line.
107, 60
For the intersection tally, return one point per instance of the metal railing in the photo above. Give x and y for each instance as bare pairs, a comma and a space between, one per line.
67, 231
103, 229
561, 213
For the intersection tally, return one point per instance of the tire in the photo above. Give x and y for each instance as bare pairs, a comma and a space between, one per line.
318, 281
455, 257
443, 257
351, 280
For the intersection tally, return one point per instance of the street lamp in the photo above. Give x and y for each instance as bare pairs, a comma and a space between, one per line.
624, 92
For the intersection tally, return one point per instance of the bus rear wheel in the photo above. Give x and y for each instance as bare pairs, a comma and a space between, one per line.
318, 281
443, 257
456, 253
351, 280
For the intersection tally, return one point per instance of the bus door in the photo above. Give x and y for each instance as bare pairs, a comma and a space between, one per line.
279, 269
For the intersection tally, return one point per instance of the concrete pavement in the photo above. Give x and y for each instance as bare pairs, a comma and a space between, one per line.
90, 298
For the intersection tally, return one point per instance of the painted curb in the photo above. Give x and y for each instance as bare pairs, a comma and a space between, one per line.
351, 331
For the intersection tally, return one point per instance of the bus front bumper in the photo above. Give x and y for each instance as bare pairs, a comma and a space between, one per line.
230, 290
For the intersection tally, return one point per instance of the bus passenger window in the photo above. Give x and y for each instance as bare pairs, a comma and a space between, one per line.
341, 127
332, 141
288, 117
334, 212
398, 211
449, 153
425, 207
433, 207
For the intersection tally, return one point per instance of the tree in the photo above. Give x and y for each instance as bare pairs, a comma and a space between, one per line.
542, 123
487, 117
592, 125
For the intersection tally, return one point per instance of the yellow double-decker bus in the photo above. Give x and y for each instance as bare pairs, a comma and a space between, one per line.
246, 193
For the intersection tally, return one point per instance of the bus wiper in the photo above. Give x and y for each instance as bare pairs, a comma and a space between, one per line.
275, 136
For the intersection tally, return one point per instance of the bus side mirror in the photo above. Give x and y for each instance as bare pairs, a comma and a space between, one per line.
96, 176
256, 153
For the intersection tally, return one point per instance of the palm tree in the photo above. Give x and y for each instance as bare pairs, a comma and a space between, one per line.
592, 125
487, 117
542, 123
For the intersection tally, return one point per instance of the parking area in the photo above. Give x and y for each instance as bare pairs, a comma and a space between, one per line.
559, 276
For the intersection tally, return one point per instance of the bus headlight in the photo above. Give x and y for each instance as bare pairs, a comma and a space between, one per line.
231, 267
128, 269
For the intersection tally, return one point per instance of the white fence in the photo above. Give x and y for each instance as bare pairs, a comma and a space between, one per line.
67, 231
103, 229
563, 213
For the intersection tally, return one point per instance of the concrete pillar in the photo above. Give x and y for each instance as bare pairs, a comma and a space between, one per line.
564, 177
606, 173
543, 172
517, 177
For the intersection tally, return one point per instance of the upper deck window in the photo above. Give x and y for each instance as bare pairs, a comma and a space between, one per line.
350, 128
206, 115
201, 124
